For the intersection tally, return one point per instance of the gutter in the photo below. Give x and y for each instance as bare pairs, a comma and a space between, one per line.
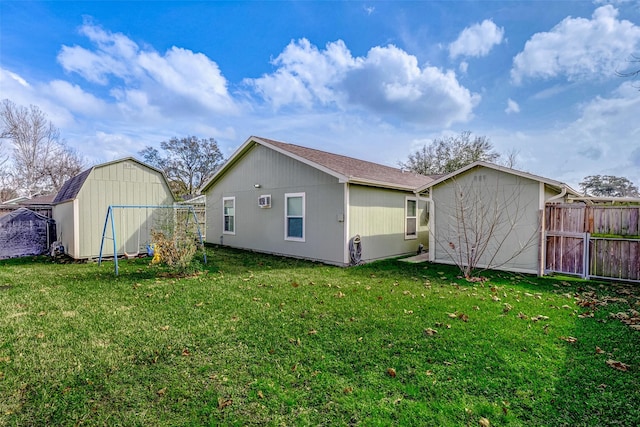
543, 227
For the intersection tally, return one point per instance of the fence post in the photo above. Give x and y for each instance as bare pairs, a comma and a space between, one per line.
585, 256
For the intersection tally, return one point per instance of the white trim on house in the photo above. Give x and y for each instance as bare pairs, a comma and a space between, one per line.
408, 217
345, 224
232, 229
288, 196
76, 228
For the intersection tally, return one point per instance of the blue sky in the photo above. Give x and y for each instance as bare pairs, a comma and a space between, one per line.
373, 80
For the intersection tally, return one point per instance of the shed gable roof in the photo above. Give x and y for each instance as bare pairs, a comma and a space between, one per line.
72, 186
346, 169
550, 182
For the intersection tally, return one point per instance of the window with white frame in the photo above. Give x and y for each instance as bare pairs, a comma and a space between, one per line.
229, 215
294, 217
411, 218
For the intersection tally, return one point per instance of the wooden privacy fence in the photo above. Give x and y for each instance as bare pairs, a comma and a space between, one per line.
593, 241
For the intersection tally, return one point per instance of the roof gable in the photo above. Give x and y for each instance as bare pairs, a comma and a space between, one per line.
550, 182
346, 169
71, 188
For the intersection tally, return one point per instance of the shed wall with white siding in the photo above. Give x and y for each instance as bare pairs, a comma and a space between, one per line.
81, 219
512, 203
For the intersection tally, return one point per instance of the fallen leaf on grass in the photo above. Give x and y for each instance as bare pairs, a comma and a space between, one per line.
223, 403
621, 315
391, 372
452, 315
162, 392
200, 304
186, 352
347, 390
586, 314
430, 331
618, 365
312, 332
507, 308
523, 316
260, 394
463, 317
294, 284
340, 295
599, 350
164, 328
539, 317
570, 340
484, 422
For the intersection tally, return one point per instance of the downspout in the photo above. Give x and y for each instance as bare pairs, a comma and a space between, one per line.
543, 226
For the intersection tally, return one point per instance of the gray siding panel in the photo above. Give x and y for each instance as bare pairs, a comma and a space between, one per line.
263, 229
516, 202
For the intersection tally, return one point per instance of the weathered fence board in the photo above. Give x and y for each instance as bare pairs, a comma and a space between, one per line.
612, 234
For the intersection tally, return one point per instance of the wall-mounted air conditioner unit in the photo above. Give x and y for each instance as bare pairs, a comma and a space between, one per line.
264, 201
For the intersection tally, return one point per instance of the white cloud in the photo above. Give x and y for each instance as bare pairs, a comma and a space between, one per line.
73, 98
305, 74
463, 67
578, 48
512, 107
477, 40
178, 80
388, 81
597, 142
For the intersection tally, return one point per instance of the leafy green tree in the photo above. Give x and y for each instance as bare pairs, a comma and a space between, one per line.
608, 186
187, 162
445, 155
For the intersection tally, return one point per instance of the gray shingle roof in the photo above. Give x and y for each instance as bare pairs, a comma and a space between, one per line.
354, 170
71, 188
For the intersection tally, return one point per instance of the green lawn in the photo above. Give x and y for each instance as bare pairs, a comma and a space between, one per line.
261, 340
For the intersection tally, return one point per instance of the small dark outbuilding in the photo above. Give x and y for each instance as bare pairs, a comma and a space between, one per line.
24, 232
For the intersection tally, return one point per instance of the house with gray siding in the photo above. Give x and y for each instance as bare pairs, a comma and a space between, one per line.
291, 200
80, 207
493, 209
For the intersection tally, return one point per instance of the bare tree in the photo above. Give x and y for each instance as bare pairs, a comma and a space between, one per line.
510, 158
40, 161
445, 155
188, 162
487, 224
